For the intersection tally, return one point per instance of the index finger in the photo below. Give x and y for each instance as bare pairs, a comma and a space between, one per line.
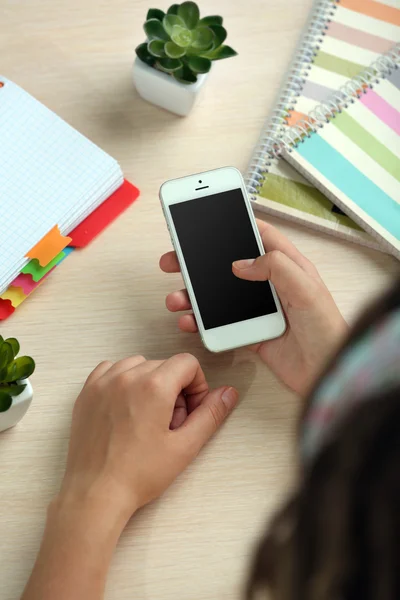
183, 372
273, 239
169, 261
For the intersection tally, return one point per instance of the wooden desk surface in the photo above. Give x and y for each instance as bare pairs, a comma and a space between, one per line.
108, 300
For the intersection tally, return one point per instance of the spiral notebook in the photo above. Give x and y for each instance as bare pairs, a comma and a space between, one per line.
349, 148
340, 39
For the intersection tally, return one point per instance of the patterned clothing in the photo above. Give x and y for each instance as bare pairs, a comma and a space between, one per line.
369, 365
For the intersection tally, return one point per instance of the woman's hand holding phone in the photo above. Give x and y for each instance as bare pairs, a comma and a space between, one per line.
315, 325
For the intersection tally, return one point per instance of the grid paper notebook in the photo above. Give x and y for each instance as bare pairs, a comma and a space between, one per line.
349, 148
340, 39
49, 175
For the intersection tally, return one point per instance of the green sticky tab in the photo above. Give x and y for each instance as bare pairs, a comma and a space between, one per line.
33, 267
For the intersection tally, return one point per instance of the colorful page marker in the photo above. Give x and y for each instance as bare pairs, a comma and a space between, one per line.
6, 309
49, 247
15, 295
40, 267
33, 267
104, 215
26, 282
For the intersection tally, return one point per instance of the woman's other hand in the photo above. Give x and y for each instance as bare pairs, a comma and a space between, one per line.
136, 425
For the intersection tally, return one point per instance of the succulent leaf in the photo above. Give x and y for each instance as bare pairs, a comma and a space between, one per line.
185, 75
211, 20
169, 65
13, 390
5, 401
220, 35
198, 64
21, 368
6, 355
156, 48
14, 345
170, 20
144, 55
203, 38
154, 30
220, 53
172, 50
155, 13
173, 10
189, 12
181, 36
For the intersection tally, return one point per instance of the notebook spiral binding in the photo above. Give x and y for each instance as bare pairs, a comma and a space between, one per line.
345, 95
295, 80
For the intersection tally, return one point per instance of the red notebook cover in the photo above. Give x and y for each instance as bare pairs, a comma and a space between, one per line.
105, 214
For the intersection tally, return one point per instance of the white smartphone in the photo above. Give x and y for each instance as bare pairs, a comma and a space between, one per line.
211, 224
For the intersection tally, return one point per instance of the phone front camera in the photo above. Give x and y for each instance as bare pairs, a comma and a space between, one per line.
200, 181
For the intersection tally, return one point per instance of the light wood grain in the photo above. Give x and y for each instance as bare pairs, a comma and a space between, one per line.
108, 300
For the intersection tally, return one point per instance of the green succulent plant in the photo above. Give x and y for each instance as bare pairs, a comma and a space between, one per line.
12, 371
182, 44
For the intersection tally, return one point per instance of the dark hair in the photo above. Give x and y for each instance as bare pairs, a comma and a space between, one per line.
338, 537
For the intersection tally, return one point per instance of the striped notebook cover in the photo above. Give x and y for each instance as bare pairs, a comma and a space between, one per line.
349, 148
340, 39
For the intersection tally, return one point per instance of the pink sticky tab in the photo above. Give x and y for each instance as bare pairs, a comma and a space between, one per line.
25, 282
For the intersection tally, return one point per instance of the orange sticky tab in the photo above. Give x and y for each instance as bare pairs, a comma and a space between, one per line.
49, 246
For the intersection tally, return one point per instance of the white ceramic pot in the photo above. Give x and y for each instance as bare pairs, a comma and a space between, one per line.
18, 408
163, 90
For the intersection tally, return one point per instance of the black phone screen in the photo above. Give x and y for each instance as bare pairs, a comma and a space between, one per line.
214, 231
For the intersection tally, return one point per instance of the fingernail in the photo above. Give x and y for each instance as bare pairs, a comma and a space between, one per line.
230, 398
244, 264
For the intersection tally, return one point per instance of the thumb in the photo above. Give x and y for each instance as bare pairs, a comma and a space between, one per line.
204, 421
290, 280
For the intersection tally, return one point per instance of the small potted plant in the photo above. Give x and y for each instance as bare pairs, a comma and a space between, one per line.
15, 387
173, 63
